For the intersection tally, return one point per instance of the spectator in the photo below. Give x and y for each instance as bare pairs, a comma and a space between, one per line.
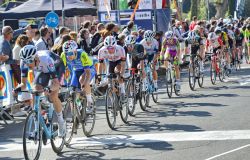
42, 43
97, 39
127, 31
58, 47
73, 35
5, 47
37, 36
134, 33
31, 34
84, 40
62, 31
92, 31
140, 37
132, 4
193, 23
121, 39
177, 31
21, 41
85, 25
185, 27
116, 31
158, 37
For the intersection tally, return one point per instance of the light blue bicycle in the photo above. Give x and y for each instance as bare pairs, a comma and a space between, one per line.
40, 125
150, 89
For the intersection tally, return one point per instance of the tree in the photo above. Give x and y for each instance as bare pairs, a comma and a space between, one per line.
221, 8
194, 8
231, 7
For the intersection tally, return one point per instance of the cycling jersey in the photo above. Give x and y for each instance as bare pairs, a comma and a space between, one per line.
239, 39
81, 61
118, 55
215, 43
225, 39
137, 53
46, 64
152, 48
171, 45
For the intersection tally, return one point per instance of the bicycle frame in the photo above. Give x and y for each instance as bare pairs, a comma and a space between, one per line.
41, 122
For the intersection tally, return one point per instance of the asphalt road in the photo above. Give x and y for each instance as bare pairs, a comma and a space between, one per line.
206, 124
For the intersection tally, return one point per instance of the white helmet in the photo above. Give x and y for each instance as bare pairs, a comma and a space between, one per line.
169, 34
211, 36
191, 35
149, 35
110, 41
69, 46
130, 39
28, 53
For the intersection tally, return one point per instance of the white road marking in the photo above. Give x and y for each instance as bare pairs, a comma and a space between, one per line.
145, 138
234, 150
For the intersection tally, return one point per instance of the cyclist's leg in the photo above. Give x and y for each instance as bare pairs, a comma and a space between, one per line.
155, 75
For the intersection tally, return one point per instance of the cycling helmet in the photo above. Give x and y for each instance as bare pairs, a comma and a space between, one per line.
217, 30
211, 36
169, 34
69, 46
225, 30
191, 35
130, 39
149, 35
110, 41
28, 53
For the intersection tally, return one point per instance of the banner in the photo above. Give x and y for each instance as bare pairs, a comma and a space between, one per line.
6, 85
102, 5
146, 4
158, 4
104, 17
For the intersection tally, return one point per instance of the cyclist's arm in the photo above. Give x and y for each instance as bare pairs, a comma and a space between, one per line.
123, 59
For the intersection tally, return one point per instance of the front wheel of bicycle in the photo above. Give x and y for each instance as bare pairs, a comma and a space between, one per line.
191, 76
32, 137
169, 82
213, 73
57, 143
222, 73
110, 108
68, 114
124, 109
201, 78
131, 97
88, 119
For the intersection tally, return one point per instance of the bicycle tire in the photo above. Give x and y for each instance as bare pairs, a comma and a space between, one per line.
54, 125
26, 126
169, 85
213, 74
124, 110
85, 117
66, 111
109, 94
200, 78
190, 77
131, 97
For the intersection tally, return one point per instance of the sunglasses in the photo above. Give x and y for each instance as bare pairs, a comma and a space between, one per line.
130, 45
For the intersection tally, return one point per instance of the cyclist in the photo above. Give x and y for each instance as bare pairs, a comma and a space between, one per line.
81, 68
115, 55
239, 38
151, 47
197, 44
45, 77
214, 42
170, 50
247, 39
137, 53
231, 41
225, 39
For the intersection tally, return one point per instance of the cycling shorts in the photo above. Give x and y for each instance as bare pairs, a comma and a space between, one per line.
44, 78
78, 73
172, 55
112, 66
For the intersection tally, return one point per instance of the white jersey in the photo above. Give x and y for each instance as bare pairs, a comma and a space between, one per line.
119, 54
46, 63
152, 48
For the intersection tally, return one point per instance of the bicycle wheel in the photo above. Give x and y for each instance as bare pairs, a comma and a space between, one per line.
32, 137
143, 98
191, 76
110, 108
131, 97
222, 73
200, 77
57, 143
154, 94
124, 109
169, 82
69, 117
213, 72
237, 65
